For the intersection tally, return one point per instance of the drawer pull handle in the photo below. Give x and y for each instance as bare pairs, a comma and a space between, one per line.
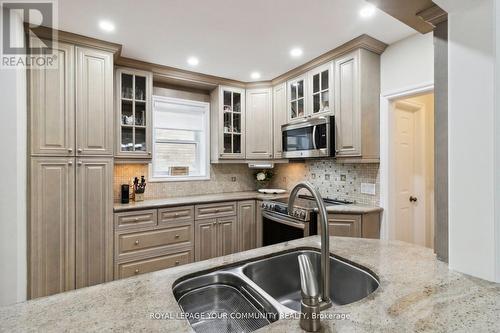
176, 215
177, 236
136, 242
176, 262
136, 219
136, 271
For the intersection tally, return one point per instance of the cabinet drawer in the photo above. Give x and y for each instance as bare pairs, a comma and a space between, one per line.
153, 239
215, 210
153, 264
175, 214
136, 219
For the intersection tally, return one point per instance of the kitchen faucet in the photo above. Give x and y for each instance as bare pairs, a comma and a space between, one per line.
312, 301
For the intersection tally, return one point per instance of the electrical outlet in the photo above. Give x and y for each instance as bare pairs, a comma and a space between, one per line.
343, 178
233, 179
367, 188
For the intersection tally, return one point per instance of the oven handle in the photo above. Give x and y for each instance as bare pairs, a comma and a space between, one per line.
314, 137
284, 220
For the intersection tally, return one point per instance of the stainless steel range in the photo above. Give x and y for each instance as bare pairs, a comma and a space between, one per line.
279, 226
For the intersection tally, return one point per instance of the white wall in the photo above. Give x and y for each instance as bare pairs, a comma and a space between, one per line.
474, 125
407, 63
13, 278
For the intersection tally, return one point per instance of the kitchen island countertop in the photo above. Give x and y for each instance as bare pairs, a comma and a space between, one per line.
417, 293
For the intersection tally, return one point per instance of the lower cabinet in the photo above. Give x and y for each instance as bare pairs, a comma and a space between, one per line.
70, 228
215, 237
94, 221
248, 225
151, 240
355, 225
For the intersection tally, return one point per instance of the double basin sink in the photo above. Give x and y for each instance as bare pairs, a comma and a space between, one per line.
247, 296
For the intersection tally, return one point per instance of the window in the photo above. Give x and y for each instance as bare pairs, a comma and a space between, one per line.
180, 140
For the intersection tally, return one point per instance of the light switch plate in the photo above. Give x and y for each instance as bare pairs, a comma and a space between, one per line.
367, 188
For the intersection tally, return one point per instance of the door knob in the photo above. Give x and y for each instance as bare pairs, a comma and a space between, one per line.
413, 199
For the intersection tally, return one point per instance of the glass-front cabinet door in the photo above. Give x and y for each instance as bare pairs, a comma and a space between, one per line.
321, 89
232, 107
297, 92
133, 104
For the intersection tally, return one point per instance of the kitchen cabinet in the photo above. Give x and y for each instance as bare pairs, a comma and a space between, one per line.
94, 221
94, 102
365, 225
297, 98
279, 117
344, 225
247, 225
215, 237
52, 105
259, 124
228, 123
133, 113
51, 226
357, 90
320, 89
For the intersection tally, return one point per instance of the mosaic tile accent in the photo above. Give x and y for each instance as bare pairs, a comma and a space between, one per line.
334, 180
221, 180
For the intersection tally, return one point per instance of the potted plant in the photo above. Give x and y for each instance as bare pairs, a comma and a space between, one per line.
263, 178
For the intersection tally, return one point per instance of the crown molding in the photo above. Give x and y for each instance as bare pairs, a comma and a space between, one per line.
69, 37
433, 15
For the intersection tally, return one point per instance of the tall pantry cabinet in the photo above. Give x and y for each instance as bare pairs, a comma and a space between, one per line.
71, 170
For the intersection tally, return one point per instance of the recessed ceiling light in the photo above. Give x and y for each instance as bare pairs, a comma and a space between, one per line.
106, 26
367, 11
296, 52
255, 75
193, 61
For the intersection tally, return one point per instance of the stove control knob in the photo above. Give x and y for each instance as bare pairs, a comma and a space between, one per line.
303, 215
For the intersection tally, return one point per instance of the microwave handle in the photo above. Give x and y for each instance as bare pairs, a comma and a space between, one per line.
314, 137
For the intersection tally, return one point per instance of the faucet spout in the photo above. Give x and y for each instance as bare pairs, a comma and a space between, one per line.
324, 294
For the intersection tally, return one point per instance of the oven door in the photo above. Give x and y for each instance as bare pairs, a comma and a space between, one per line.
279, 228
312, 138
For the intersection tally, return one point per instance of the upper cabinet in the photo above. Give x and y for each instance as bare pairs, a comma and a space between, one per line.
259, 124
321, 89
228, 123
52, 106
94, 102
133, 113
357, 91
296, 96
279, 117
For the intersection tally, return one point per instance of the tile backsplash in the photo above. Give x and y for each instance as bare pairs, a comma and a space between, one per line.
333, 179
223, 178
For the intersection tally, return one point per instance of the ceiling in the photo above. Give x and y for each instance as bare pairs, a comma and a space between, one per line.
231, 38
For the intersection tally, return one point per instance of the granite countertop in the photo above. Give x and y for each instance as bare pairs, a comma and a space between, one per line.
247, 195
417, 293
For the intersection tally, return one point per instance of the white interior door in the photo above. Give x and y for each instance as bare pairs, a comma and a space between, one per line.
409, 223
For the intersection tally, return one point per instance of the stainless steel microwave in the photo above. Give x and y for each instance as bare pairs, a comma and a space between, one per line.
313, 137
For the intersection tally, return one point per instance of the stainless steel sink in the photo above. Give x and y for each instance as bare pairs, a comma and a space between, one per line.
279, 277
263, 288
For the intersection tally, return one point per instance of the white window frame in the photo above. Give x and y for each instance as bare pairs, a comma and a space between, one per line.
206, 121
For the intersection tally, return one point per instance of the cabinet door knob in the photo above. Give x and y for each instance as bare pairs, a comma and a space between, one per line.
214, 223
176, 215
70, 150
136, 271
177, 263
79, 163
136, 219
79, 150
176, 236
216, 211
136, 242
149, 153
70, 162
